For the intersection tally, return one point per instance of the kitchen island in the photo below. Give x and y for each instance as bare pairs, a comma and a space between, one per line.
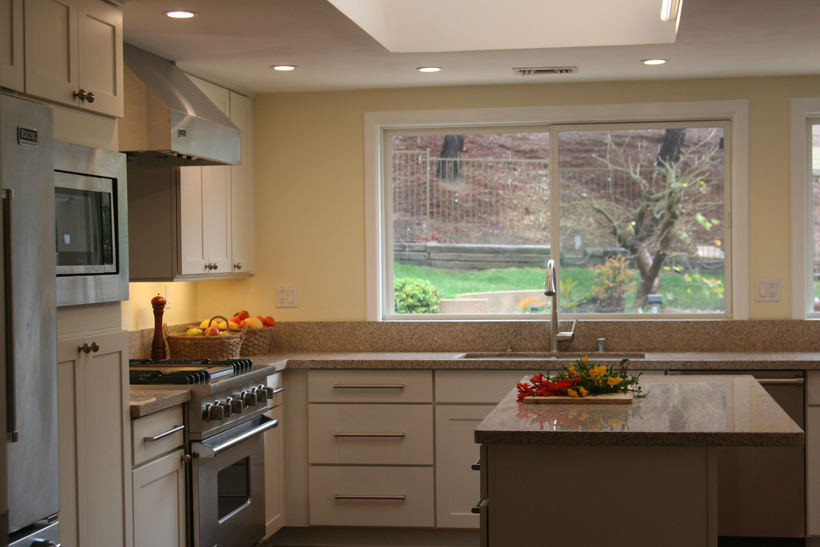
640, 474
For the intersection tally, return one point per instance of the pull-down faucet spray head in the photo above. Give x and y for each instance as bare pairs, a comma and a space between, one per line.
549, 288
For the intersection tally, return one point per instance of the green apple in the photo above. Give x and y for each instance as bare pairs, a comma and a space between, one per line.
194, 332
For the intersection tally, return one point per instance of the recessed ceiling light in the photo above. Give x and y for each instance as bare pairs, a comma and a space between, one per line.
429, 68
653, 61
181, 14
283, 68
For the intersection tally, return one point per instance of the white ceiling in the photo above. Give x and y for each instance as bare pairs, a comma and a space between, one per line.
238, 41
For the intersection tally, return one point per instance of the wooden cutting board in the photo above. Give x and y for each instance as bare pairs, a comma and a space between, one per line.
603, 399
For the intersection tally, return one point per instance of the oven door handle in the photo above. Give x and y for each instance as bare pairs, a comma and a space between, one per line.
200, 450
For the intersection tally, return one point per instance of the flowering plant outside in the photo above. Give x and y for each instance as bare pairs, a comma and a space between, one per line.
583, 379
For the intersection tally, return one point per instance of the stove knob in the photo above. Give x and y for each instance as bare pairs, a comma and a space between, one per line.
213, 412
227, 408
249, 398
269, 391
261, 394
236, 403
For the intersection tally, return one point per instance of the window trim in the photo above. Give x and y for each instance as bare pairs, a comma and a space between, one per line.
736, 112
801, 111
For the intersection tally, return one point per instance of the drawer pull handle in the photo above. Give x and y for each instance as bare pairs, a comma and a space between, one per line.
278, 390
368, 386
163, 435
477, 507
477, 465
368, 434
781, 381
382, 498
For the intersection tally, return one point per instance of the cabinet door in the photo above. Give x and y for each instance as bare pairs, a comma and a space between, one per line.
51, 46
95, 489
159, 502
216, 211
12, 71
243, 240
192, 252
813, 469
100, 58
274, 471
457, 484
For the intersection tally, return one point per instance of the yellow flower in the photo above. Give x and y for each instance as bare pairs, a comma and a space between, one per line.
615, 422
571, 369
585, 359
584, 392
572, 393
598, 382
597, 371
614, 381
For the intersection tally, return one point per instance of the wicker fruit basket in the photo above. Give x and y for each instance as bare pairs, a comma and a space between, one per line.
256, 341
215, 348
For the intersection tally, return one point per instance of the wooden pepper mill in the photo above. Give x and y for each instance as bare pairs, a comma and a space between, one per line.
158, 344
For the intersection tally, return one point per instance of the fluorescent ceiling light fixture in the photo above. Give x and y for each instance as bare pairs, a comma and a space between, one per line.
429, 69
653, 61
669, 9
181, 14
482, 25
284, 68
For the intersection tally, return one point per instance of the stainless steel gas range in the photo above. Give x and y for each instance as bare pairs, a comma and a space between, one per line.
225, 420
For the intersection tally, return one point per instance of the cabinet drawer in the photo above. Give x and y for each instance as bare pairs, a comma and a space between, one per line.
477, 386
381, 496
371, 434
370, 386
154, 426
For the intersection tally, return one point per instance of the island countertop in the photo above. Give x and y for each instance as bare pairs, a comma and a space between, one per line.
677, 411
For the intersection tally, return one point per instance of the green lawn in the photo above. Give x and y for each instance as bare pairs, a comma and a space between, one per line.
679, 293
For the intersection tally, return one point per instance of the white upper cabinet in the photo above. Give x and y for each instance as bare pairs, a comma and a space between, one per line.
243, 240
73, 53
12, 71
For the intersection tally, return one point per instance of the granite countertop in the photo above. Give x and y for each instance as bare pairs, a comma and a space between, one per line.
456, 361
678, 411
145, 401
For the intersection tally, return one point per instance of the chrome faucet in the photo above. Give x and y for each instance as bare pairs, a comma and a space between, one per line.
550, 290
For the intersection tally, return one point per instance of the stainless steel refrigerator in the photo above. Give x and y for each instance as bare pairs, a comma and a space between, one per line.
29, 362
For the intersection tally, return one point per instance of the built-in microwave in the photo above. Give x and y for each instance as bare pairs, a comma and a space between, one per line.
91, 227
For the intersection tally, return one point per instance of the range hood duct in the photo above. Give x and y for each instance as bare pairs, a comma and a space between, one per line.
168, 121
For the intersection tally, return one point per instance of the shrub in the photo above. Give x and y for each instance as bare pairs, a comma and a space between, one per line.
415, 296
613, 279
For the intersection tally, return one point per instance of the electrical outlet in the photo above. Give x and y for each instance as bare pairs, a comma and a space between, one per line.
286, 296
768, 290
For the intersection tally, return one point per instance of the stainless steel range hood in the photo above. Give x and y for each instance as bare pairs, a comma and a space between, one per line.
168, 121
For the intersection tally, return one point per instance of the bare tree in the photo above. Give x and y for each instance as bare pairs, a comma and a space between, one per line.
449, 168
671, 191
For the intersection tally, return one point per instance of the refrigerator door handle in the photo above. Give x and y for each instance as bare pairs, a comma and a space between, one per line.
11, 426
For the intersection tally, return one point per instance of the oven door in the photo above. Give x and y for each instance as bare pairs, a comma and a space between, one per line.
228, 478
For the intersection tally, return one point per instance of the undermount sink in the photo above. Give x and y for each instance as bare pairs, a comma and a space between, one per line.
593, 355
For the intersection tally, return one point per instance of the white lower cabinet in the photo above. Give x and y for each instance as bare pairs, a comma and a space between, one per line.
159, 502
370, 448
371, 496
95, 452
813, 453
158, 476
457, 483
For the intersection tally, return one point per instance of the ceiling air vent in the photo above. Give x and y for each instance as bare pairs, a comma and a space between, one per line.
545, 70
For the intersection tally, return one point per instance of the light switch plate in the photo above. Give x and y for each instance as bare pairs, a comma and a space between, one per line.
767, 290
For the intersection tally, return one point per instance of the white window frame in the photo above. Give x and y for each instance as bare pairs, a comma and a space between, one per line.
802, 110
376, 123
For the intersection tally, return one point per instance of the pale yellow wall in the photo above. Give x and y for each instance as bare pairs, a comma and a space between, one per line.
137, 312
310, 183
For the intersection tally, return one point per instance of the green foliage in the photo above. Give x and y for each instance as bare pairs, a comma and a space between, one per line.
415, 296
568, 300
613, 279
